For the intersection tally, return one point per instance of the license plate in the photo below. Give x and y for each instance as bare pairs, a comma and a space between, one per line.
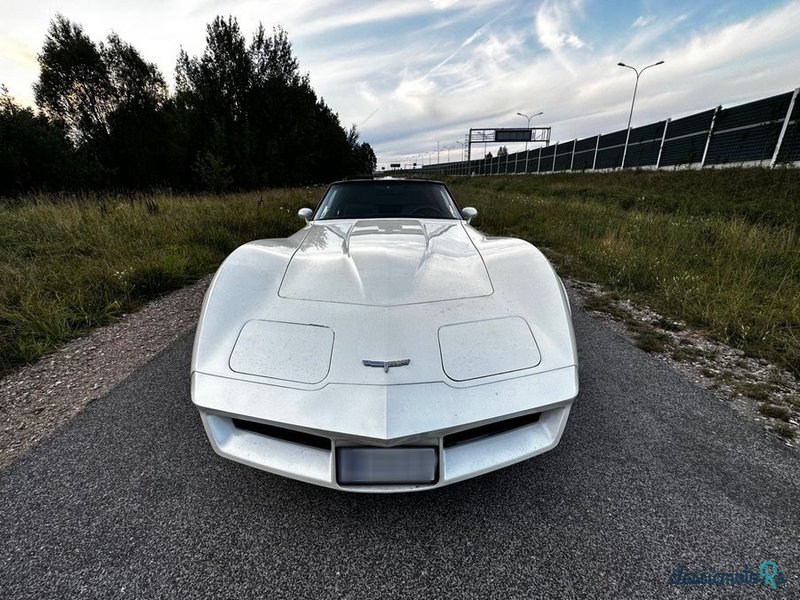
387, 466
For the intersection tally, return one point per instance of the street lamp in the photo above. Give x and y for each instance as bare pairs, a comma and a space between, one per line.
633, 100
529, 135
463, 153
448, 148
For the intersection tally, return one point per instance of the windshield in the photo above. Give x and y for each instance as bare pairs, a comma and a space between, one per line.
385, 200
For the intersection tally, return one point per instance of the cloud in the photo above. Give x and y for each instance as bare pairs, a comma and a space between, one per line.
469, 40
365, 91
498, 51
570, 39
327, 16
19, 52
415, 93
442, 4
721, 48
706, 64
17, 58
647, 32
554, 29
553, 24
413, 72
643, 21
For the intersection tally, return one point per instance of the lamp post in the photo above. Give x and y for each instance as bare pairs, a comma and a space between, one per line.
463, 153
529, 134
633, 101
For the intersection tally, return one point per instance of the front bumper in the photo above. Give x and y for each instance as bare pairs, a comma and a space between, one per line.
428, 414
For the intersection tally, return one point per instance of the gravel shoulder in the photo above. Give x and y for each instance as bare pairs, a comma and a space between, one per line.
40, 397
758, 390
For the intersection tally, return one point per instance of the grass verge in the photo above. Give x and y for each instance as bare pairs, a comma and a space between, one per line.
718, 250
68, 265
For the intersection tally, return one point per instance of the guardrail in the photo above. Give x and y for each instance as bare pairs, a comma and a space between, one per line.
763, 133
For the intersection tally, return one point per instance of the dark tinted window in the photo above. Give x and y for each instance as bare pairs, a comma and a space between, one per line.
387, 199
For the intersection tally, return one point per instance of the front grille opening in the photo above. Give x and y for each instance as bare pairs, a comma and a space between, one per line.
484, 431
287, 435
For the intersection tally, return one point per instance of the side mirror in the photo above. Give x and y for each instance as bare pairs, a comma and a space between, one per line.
305, 214
469, 213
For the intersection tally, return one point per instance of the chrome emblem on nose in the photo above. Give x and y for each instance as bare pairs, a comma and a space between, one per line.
386, 364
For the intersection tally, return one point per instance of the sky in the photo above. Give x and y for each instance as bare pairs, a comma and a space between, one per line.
414, 75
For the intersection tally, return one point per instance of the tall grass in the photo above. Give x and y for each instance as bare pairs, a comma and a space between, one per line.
718, 249
756, 195
69, 264
727, 264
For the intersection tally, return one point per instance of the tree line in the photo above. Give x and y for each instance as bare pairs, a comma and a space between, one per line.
242, 116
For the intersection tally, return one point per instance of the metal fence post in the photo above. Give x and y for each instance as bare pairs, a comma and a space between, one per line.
555, 155
783, 129
596, 148
572, 160
625, 149
663, 139
710, 133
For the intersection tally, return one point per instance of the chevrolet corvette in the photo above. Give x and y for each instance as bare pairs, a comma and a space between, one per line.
387, 346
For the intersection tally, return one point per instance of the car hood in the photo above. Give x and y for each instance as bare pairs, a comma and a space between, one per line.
386, 263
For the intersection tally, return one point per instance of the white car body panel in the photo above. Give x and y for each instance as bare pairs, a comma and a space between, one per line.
346, 261
287, 325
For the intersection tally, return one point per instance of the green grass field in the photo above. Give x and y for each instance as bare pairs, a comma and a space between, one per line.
717, 249
69, 265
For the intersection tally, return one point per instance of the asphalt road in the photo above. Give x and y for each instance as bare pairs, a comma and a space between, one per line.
128, 500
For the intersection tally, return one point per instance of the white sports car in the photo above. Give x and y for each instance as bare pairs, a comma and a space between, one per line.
385, 347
